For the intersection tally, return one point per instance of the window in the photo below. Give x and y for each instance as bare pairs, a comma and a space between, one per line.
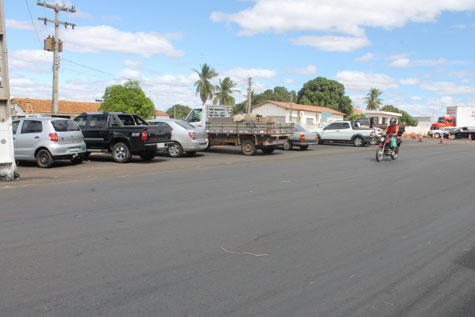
81, 121
140, 121
332, 126
185, 125
195, 116
309, 120
126, 119
31, 126
158, 123
15, 126
97, 121
344, 125
298, 128
64, 125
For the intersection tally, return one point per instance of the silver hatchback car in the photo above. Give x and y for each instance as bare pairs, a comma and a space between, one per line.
185, 137
47, 139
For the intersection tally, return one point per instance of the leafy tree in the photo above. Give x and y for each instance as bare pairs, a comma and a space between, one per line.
325, 93
240, 108
354, 115
203, 85
224, 91
277, 94
128, 97
181, 111
405, 119
373, 102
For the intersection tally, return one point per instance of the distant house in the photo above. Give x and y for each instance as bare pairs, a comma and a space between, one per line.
159, 114
309, 117
42, 108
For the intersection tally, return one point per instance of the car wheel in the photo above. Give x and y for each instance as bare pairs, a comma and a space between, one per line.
358, 141
268, 149
175, 149
452, 137
436, 135
248, 147
44, 158
320, 141
148, 155
303, 147
121, 152
288, 145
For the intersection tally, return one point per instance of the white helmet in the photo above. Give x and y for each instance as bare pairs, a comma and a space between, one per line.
393, 121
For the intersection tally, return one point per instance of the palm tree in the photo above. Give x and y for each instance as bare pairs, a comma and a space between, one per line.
203, 85
372, 100
224, 91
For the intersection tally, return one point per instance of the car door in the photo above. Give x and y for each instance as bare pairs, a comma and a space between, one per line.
28, 138
329, 132
343, 131
95, 133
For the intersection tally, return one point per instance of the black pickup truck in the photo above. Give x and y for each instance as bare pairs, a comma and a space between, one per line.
123, 134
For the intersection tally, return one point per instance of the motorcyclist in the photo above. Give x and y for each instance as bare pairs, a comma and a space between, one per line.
392, 131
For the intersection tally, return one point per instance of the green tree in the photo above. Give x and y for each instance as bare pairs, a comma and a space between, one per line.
354, 115
325, 93
203, 84
277, 94
129, 98
181, 111
373, 102
224, 91
405, 119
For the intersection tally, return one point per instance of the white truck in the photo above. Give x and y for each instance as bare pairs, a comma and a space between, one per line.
251, 135
457, 116
346, 132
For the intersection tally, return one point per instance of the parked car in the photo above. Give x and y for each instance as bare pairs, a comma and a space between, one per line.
462, 133
346, 132
123, 134
185, 137
301, 138
442, 131
45, 140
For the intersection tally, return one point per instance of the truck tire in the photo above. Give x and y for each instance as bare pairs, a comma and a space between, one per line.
121, 152
148, 155
175, 149
248, 147
44, 159
268, 149
303, 147
358, 141
288, 145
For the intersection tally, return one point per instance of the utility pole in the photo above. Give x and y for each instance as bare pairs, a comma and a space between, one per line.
7, 156
249, 90
55, 44
290, 115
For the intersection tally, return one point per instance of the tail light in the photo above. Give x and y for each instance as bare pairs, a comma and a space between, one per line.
144, 135
192, 135
371, 134
53, 137
302, 137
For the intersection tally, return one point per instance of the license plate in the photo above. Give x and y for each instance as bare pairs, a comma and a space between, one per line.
161, 145
277, 142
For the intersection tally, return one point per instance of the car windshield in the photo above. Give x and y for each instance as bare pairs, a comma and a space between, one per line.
185, 125
298, 128
64, 125
441, 120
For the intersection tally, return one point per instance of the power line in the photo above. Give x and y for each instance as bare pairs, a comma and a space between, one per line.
34, 26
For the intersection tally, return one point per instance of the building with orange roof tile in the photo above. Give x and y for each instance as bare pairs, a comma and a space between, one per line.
309, 117
42, 108
159, 114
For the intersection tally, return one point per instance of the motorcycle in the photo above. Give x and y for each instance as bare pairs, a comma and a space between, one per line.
384, 148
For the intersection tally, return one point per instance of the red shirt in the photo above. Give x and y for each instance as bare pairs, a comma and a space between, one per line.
392, 129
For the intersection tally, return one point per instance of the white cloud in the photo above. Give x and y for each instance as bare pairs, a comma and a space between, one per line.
359, 81
30, 60
365, 58
332, 43
309, 70
82, 15
132, 63
416, 98
410, 81
458, 26
344, 16
465, 81
99, 39
447, 88
22, 25
404, 61
241, 75
462, 74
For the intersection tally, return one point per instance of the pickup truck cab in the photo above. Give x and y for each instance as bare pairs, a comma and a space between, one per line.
122, 134
346, 132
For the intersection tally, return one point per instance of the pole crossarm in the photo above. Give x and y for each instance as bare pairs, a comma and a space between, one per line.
56, 7
66, 24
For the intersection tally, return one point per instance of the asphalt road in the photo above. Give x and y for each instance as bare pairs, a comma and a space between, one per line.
325, 232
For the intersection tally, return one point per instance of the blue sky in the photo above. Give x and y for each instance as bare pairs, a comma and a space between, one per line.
419, 53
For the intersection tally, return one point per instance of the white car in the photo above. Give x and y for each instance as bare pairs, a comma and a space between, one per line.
185, 137
346, 132
442, 131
